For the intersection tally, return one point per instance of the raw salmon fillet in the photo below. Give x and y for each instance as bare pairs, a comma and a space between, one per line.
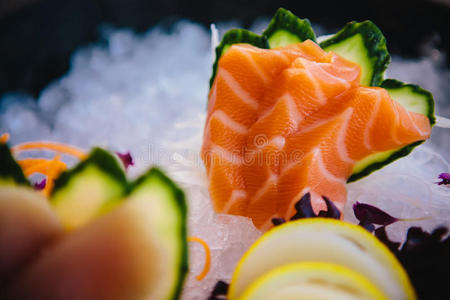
291, 120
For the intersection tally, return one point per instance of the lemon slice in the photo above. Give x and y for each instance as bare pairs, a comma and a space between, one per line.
323, 240
313, 280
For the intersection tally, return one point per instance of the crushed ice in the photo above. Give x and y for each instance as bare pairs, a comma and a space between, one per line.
147, 94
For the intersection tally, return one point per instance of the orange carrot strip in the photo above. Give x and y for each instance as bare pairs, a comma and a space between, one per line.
59, 147
43, 167
30, 162
56, 167
4, 138
207, 265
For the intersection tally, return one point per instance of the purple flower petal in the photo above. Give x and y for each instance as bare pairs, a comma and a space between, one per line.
332, 210
278, 221
381, 234
126, 159
219, 291
369, 214
445, 179
38, 186
304, 208
426, 257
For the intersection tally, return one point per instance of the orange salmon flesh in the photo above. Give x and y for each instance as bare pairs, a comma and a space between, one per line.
283, 122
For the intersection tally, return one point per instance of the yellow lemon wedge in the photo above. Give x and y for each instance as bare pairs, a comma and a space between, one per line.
313, 281
323, 240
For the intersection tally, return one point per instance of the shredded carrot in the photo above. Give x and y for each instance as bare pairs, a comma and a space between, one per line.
43, 166
51, 168
27, 163
207, 265
59, 147
4, 138
55, 169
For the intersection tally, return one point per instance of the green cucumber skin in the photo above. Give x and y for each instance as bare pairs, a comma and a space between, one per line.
237, 36
107, 163
9, 168
374, 42
286, 20
378, 165
101, 158
392, 84
180, 201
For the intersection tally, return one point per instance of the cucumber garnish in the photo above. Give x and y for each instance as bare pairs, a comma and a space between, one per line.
412, 97
10, 171
285, 28
93, 187
364, 44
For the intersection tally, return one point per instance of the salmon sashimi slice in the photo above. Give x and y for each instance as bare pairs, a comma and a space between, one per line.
293, 120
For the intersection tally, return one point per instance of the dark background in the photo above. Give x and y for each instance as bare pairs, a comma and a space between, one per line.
37, 37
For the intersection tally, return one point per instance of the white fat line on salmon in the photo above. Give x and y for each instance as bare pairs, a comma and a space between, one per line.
396, 125
318, 72
261, 74
292, 110
318, 97
341, 146
308, 66
287, 167
295, 53
317, 124
344, 69
237, 89
370, 122
272, 180
226, 155
294, 113
278, 141
414, 123
327, 174
236, 195
222, 117
282, 56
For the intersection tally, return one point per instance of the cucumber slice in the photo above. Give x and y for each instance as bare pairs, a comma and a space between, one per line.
379, 160
364, 44
413, 98
10, 171
92, 188
236, 36
166, 212
285, 28
138, 250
